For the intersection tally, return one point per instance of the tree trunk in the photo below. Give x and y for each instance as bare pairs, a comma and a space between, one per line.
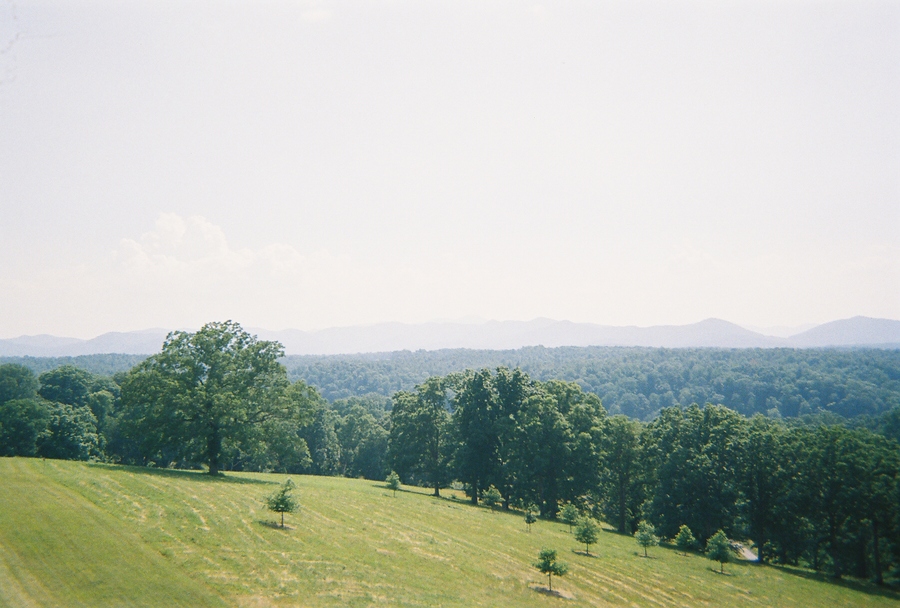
879, 580
437, 489
835, 557
282, 519
213, 448
760, 551
862, 570
552, 502
551, 581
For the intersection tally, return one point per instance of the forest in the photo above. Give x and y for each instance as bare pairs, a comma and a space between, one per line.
636, 382
639, 382
792, 477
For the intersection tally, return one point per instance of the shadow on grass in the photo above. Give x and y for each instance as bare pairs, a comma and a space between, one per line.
392, 493
720, 573
563, 595
853, 584
197, 476
274, 525
585, 554
419, 491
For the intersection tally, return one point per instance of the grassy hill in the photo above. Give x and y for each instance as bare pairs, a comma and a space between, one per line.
75, 534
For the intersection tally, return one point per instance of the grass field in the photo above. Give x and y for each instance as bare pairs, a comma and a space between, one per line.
75, 534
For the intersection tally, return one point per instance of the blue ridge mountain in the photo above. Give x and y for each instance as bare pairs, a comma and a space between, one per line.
850, 332
143, 342
491, 335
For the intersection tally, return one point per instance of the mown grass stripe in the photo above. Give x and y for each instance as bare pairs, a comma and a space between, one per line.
354, 544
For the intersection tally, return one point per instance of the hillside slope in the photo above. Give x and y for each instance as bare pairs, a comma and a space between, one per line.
74, 534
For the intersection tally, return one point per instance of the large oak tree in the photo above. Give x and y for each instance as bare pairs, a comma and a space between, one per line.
208, 390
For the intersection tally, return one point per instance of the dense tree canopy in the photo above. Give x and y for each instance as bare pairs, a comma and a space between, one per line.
639, 382
67, 384
420, 441
209, 392
52, 415
22, 414
17, 382
695, 456
71, 434
22, 421
623, 472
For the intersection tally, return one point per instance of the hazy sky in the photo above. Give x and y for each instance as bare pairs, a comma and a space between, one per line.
312, 164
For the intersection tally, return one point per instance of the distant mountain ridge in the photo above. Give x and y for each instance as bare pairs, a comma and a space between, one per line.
143, 342
490, 335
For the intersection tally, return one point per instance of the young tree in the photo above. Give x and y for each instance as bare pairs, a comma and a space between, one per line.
281, 501
393, 482
548, 565
491, 497
685, 539
588, 532
569, 515
718, 548
530, 517
646, 536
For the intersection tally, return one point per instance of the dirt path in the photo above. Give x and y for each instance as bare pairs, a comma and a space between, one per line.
746, 553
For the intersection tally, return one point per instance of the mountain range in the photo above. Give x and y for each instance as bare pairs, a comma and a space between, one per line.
491, 335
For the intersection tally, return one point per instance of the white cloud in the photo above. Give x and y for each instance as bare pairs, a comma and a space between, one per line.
194, 250
179, 242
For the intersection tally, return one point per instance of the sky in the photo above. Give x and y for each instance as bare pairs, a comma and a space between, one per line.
292, 164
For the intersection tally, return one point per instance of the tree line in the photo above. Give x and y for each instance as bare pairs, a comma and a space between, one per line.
823, 495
